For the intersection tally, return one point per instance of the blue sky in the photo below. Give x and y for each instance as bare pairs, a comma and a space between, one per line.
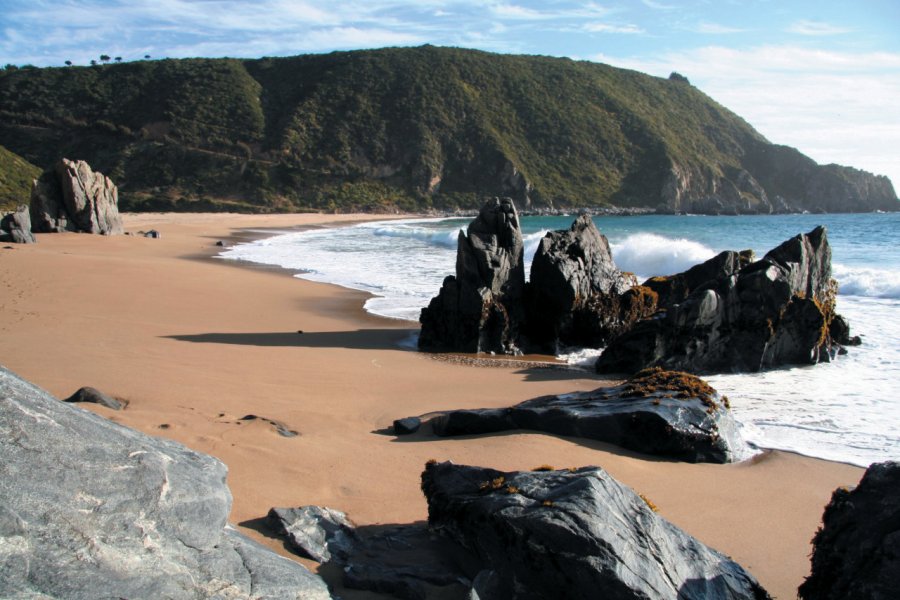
823, 76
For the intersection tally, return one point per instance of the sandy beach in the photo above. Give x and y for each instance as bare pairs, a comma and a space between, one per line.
195, 343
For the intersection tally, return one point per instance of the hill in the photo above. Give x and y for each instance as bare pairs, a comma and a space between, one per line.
412, 129
16, 177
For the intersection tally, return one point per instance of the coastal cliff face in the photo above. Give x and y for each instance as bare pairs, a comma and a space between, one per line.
413, 129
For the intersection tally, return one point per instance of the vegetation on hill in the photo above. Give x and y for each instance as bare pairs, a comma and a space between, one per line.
16, 177
390, 129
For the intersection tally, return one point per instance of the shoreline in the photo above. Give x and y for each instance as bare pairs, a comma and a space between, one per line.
196, 347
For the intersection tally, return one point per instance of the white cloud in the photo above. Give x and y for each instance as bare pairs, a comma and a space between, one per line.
833, 106
608, 28
715, 28
658, 5
815, 28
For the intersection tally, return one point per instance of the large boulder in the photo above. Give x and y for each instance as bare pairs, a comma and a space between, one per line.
657, 412
72, 197
772, 312
480, 309
90, 508
575, 534
575, 288
856, 553
16, 227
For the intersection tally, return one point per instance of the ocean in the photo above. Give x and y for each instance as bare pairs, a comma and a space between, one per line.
846, 410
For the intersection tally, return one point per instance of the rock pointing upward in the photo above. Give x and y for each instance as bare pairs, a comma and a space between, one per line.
480, 309
91, 509
72, 197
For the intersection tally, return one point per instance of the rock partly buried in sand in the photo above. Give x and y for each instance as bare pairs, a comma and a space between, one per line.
407, 425
90, 508
72, 197
575, 534
658, 412
480, 309
280, 427
15, 227
406, 561
95, 396
772, 312
575, 295
315, 532
856, 553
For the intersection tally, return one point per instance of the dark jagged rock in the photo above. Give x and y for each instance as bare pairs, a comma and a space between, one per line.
658, 412
840, 332
16, 227
95, 396
577, 534
772, 312
407, 426
573, 294
856, 553
315, 532
480, 309
90, 508
72, 197
676, 288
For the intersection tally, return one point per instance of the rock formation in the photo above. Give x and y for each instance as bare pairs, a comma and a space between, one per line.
746, 317
657, 412
71, 197
856, 553
16, 227
480, 309
89, 508
574, 533
315, 532
575, 294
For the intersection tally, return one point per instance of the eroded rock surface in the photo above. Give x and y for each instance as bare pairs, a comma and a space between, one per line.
15, 227
574, 534
657, 412
480, 308
575, 289
72, 197
90, 508
747, 317
856, 553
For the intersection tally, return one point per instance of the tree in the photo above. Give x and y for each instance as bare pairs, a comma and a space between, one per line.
118, 59
146, 56
104, 57
68, 63
93, 63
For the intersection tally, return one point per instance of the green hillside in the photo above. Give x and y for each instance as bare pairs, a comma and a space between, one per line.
406, 129
16, 177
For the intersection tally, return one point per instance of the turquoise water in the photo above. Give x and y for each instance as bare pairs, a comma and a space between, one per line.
845, 410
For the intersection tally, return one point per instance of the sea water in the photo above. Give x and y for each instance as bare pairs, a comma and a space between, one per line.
846, 410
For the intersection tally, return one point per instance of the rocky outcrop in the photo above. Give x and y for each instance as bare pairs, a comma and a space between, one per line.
16, 227
72, 197
88, 508
480, 309
856, 553
772, 312
575, 288
576, 534
577, 296
657, 412
314, 531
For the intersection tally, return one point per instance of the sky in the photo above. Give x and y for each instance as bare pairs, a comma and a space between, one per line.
820, 75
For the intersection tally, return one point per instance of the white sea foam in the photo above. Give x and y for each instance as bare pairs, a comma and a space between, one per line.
867, 281
649, 254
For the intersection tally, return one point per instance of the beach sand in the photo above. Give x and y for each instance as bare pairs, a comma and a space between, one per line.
195, 343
